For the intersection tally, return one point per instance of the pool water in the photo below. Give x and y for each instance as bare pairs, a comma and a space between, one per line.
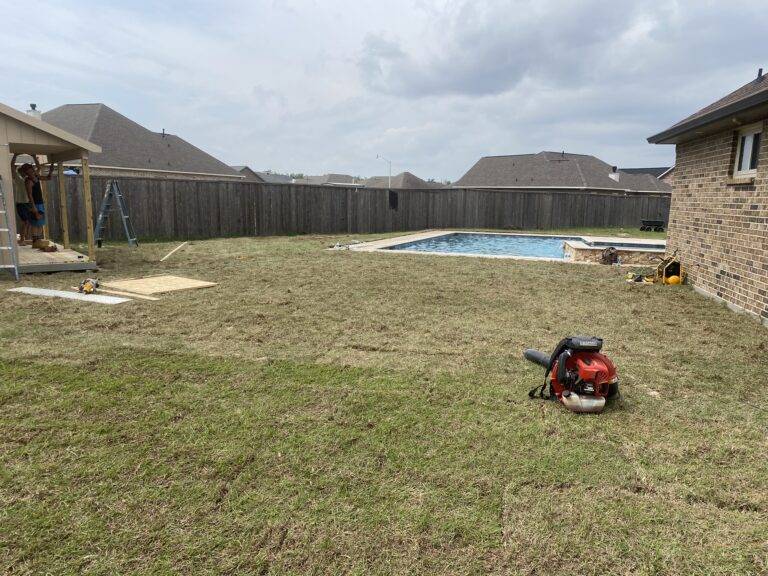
491, 244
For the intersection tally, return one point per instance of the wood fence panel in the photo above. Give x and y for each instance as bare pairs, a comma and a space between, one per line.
179, 209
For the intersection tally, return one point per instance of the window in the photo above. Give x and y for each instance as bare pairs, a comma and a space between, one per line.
748, 150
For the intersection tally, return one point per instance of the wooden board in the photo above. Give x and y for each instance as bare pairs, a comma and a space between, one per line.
157, 284
95, 298
32, 260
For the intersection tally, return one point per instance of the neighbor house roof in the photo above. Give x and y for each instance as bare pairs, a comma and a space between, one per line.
404, 180
274, 178
331, 180
250, 175
554, 170
655, 172
748, 103
127, 144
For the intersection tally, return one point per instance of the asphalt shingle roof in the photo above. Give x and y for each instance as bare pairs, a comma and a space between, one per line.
752, 88
655, 172
127, 144
554, 169
404, 180
749, 99
274, 178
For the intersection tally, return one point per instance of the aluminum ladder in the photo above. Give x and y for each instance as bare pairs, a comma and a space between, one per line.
8, 237
112, 193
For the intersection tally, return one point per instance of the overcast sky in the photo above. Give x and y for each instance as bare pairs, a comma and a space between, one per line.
325, 86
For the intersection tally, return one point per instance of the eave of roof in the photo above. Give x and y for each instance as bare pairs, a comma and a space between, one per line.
750, 107
49, 128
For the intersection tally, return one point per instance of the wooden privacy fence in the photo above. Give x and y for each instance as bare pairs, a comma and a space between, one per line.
181, 209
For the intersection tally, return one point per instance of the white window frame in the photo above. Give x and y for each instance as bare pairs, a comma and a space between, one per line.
750, 130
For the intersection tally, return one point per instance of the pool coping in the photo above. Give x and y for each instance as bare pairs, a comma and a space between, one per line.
382, 246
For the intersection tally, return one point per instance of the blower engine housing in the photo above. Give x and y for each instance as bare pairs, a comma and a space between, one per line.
577, 374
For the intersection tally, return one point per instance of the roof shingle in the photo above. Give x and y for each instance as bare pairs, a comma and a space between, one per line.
554, 170
127, 144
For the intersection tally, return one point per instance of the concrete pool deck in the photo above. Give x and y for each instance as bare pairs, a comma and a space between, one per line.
579, 246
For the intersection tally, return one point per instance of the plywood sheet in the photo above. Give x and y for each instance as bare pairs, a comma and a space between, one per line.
97, 298
157, 284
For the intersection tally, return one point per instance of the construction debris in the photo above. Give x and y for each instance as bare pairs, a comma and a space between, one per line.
97, 298
174, 250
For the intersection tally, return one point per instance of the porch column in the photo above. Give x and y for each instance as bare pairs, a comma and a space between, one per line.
63, 210
7, 220
88, 207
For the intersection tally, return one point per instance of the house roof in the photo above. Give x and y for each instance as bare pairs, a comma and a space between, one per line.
249, 173
655, 172
274, 178
331, 180
404, 180
127, 144
744, 105
553, 170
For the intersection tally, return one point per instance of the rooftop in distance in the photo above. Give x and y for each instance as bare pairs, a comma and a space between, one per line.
555, 170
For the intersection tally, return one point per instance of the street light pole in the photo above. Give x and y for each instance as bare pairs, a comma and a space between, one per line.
380, 157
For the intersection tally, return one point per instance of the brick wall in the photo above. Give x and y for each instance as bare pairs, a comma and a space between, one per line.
719, 225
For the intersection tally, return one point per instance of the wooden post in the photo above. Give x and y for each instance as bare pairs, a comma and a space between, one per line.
63, 210
44, 190
88, 207
9, 218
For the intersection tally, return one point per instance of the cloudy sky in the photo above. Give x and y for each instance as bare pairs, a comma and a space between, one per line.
325, 86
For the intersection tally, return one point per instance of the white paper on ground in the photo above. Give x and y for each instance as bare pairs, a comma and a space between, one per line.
98, 298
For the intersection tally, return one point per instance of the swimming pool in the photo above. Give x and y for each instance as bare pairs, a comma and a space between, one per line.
490, 245
513, 245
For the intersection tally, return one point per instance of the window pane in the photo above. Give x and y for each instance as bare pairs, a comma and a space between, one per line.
755, 152
740, 160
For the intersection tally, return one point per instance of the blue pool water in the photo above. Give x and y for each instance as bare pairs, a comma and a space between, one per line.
491, 244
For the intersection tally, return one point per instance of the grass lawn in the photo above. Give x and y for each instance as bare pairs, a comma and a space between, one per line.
341, 412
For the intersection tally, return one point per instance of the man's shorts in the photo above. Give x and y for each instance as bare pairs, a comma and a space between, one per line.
38, 223
24, 210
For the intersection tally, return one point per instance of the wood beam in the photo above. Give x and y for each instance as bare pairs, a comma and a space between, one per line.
44, 190
88, 207
63, 210
7, 220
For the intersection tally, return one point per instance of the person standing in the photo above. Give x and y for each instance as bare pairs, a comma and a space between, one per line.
23, 207
32, 178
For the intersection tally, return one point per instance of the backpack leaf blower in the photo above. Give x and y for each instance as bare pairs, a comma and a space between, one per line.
582, 379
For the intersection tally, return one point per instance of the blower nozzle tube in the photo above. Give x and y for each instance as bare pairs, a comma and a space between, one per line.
537, 357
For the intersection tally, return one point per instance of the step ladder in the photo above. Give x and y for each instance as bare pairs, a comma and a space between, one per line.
8, 237
112, 194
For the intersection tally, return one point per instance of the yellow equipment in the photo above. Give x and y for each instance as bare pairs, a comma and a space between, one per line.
88, 286
668, 269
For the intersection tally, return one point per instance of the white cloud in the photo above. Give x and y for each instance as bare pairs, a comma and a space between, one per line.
311, 86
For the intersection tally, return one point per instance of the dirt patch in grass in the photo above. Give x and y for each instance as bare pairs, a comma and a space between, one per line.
335, 412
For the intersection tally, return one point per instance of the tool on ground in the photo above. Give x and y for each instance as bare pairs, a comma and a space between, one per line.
112, 193
582, 378
610, 256
670, 270
88, 286
8, 238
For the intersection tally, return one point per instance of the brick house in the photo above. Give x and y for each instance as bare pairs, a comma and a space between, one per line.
719, 215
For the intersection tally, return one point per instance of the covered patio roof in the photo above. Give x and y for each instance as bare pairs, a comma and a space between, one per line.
21, 133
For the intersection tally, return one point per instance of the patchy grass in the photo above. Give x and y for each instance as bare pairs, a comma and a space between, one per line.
340, 412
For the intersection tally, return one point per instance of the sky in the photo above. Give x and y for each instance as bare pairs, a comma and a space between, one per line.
327, 86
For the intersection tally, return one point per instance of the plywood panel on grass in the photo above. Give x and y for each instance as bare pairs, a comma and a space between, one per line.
157, 284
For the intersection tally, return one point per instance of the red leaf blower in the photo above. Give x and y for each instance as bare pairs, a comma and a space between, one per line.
581, 378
